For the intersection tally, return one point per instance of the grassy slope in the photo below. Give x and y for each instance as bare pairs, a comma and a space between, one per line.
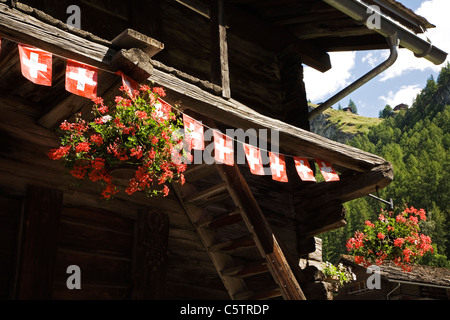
348, 122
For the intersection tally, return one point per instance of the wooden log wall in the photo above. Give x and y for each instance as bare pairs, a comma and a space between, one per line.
9, 221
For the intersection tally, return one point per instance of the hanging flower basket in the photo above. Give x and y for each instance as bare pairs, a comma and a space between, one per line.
133, 143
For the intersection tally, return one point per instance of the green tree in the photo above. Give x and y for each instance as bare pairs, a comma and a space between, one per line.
386, 112
416, 142
352, 106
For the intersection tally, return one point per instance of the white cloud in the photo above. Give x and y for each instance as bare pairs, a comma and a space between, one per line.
435, 11
320, 86
371, 59
406, 95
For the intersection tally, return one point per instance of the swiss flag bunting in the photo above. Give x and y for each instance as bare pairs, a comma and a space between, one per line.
327, 170
193, 131
81, 79
278, 167
254, 160
223, 149
36, 65
129, 84
303, 169
162, 108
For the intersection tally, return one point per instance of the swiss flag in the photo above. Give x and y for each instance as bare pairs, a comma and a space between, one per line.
327, 170
193, 131
223, 149
81, 79
36, 65
254, 159
162, 108
304, 169
129, 84
278, 167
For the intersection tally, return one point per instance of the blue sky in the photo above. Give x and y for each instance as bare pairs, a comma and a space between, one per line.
400, 83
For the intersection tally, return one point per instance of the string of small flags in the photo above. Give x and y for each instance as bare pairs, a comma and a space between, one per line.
81, 79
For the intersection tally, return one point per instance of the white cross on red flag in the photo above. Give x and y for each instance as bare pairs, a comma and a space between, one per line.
162, 109
254, 159
304, 169
327, 170
193, 131
36, 65
223, 149
129, 84
278, 167
81, 79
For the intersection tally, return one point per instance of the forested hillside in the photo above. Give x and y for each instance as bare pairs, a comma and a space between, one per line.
416, 142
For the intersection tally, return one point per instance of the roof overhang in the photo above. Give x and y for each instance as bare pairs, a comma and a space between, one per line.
387, 27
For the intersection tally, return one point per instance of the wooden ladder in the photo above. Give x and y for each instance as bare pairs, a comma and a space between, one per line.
247, 255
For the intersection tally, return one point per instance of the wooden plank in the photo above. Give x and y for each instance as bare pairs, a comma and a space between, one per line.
222, 220
220, 73
23, 28
248, 270
233, 245
207, 195
37, 250
130, 38
220, 261
285, 271
150, 256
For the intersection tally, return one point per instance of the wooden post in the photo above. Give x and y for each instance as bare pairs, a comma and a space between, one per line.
38, 243
219, 50
294, 105
149, 266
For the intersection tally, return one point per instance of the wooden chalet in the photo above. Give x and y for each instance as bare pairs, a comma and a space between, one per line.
226, 234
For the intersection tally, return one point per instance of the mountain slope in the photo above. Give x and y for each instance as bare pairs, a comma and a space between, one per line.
417, 143
341, 126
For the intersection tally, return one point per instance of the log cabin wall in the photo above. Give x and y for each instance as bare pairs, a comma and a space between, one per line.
257, 75
99, 236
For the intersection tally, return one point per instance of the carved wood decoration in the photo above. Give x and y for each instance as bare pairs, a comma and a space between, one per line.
150, 255
38, 243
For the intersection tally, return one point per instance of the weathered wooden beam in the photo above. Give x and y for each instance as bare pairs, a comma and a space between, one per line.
38, 243
220, 74
23, 28
314, 221
130, 38
295, 104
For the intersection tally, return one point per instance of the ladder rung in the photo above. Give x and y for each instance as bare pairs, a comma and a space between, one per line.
230, 245
209, 194
222, 220
246, 270
259, 295
196, 172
